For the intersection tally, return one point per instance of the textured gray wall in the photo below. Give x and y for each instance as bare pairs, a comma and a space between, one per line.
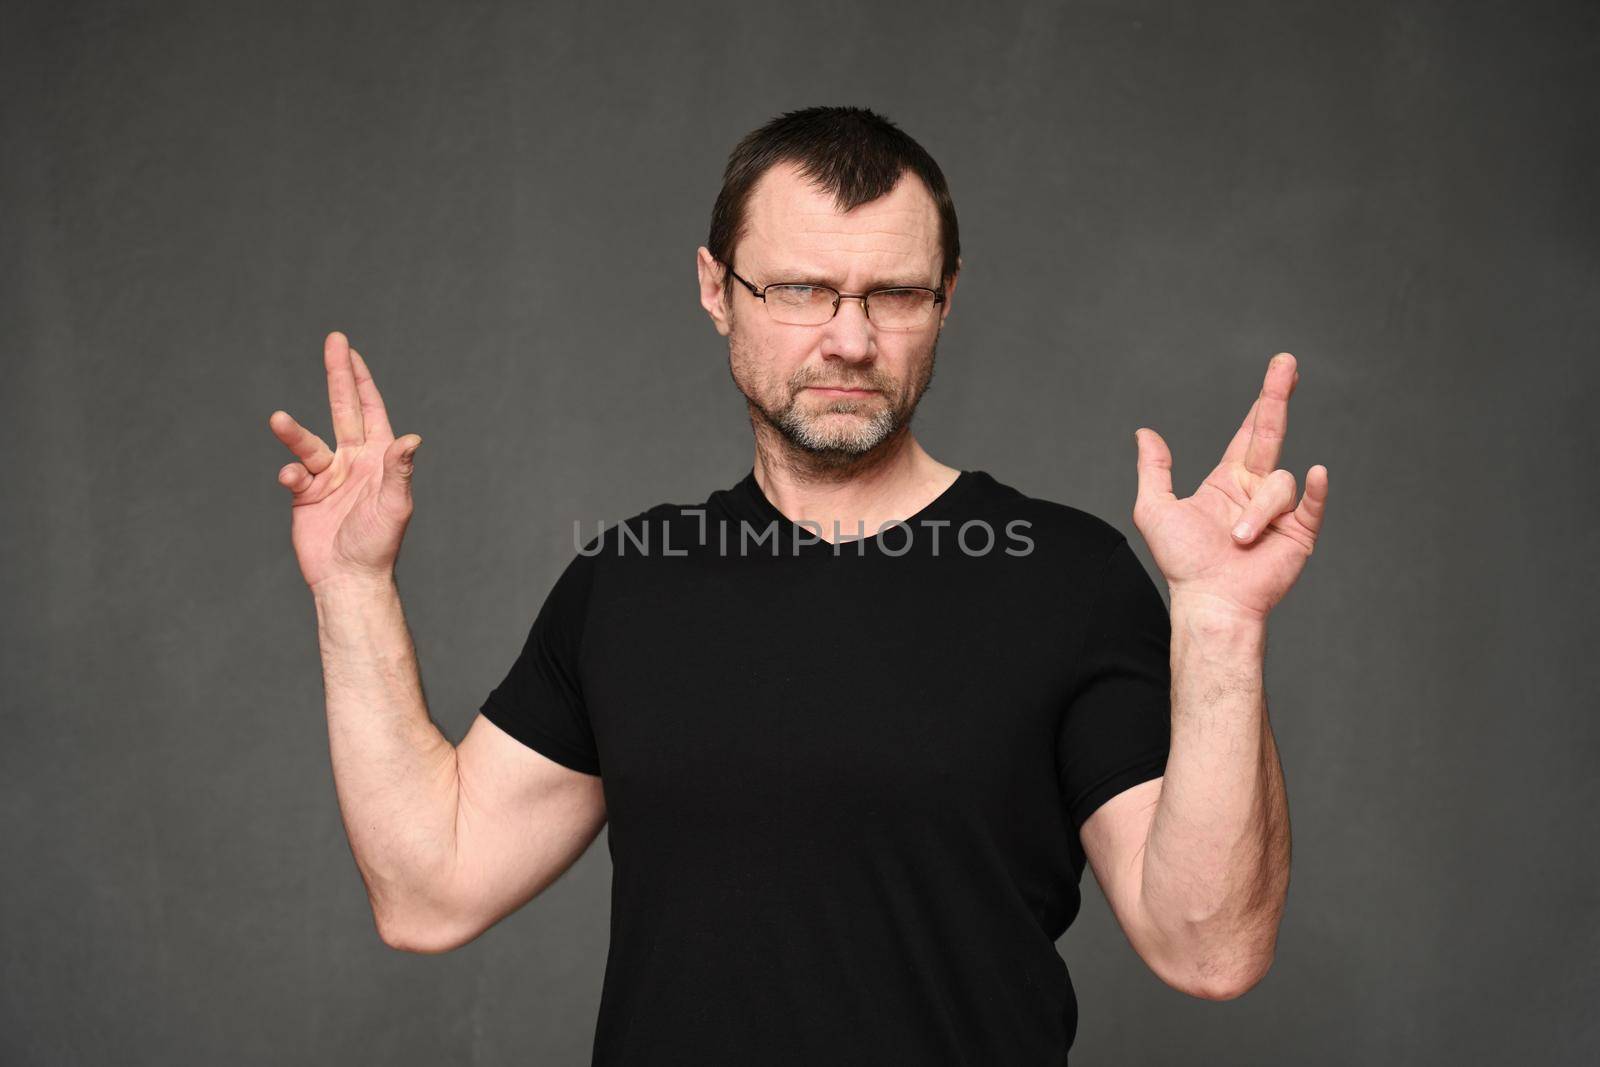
500, 205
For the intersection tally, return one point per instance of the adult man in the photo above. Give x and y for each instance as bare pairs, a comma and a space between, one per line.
858, 721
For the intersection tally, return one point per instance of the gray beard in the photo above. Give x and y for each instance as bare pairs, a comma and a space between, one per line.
841, 447
803, 432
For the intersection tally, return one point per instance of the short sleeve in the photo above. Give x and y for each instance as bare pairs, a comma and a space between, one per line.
540, 701
1116, 728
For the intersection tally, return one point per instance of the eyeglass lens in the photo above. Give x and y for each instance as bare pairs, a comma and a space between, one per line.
812, 305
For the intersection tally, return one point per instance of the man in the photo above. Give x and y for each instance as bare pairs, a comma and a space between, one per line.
858, 721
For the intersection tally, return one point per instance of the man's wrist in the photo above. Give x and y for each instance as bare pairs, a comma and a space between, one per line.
357, 588
1221, 625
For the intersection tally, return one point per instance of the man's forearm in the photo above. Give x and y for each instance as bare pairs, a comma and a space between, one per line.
394, 772
1216, 864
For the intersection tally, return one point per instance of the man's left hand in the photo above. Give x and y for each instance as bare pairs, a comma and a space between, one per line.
1238, 544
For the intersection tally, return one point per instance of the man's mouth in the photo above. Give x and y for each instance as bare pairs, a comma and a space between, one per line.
840, 390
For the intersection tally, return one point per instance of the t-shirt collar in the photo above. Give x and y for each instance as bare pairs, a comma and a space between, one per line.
749, 502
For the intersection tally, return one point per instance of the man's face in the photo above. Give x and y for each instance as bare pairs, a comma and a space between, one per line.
839, 390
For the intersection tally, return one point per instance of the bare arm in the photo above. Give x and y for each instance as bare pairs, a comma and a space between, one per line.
1195, 865
448, 840
394, 772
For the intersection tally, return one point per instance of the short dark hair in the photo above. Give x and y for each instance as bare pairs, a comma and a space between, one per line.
851, 152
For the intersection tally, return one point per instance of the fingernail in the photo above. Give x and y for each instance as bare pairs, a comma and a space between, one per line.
1242, 531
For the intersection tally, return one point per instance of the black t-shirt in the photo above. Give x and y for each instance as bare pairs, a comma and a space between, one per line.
844, 782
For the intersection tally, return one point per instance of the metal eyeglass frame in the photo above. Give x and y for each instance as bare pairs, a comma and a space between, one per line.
866, 308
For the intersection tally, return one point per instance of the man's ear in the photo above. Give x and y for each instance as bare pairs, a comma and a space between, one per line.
712, 288
950, 292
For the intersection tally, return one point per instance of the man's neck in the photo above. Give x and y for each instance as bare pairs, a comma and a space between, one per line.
879, 489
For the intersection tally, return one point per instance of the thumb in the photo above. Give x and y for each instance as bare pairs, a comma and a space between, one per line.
397, 465
1155, 467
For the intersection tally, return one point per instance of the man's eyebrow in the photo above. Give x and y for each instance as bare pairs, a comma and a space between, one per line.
801, 277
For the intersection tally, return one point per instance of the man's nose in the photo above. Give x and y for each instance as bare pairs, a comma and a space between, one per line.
849, 332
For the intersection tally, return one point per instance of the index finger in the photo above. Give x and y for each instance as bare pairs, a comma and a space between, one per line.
1260, 437
374, 416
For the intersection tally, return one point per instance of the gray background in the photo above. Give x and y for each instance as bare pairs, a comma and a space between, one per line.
501, 205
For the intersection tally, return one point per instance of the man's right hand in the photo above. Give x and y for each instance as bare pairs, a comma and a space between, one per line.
350, 504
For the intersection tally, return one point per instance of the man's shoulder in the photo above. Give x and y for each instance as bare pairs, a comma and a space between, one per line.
1063, 525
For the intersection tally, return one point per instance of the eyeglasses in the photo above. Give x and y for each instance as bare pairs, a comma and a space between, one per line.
803, 304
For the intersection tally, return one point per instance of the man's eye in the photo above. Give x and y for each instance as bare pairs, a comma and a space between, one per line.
794, 295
